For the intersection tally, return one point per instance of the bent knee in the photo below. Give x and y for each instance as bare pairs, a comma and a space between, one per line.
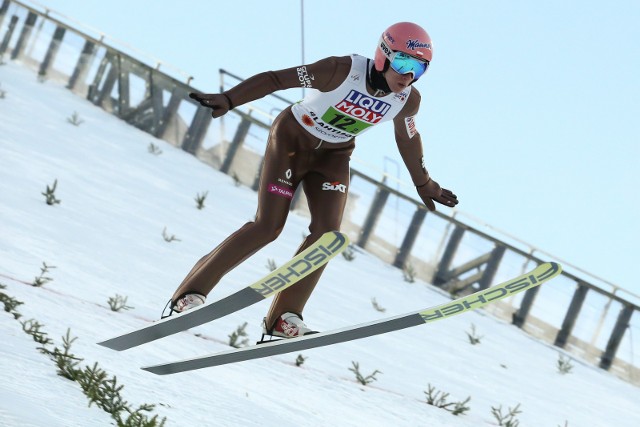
266, 232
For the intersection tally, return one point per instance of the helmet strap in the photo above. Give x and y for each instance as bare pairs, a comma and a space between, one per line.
376, 79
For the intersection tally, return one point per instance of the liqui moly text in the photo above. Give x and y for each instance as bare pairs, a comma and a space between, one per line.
363, 107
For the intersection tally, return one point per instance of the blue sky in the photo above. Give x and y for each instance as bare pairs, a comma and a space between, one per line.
530, 109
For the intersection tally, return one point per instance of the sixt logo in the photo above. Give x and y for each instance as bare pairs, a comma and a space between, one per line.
334, 186
290, 274
363, 107
415, 44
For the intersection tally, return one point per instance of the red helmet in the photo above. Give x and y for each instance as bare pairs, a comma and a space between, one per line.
404, 37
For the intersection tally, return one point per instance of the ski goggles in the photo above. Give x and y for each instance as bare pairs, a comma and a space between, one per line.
403, 63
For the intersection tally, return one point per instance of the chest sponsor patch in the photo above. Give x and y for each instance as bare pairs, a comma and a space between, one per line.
363, 107
356, 112
410, 124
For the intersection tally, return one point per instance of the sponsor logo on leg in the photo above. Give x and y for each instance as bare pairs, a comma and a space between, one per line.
280, 191
334, 186
288, 174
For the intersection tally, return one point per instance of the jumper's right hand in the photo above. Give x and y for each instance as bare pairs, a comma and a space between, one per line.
431, 191
218, 102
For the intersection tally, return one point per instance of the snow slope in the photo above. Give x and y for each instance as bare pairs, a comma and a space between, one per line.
105, 239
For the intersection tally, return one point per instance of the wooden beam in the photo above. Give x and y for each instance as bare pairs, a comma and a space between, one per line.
52, 51
24, 35
572, 314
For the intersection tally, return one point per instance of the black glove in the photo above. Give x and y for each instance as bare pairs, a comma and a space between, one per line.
218, 102
431, 192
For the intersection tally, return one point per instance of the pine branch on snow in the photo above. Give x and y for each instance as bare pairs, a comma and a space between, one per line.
49, 194
361, 378
438, 399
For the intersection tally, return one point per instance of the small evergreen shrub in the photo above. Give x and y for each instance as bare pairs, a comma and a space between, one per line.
10, 304
409, 273
42, 279
564, 364
364, 380
169, 237
75, 119
271, 265
300, 360
474, 338
377, 306
154, 149
349, 254
118, 303
439, 398
32, 327
509, 418
200, 198
50, 194
235, 337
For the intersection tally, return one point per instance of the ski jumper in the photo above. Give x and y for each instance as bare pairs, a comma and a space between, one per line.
309, 145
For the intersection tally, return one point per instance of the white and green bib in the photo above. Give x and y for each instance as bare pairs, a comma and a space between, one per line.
348, 110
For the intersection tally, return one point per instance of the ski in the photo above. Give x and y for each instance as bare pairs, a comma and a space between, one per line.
328, 246
537, 276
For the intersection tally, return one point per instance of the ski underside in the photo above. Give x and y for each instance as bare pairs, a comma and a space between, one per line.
537, 276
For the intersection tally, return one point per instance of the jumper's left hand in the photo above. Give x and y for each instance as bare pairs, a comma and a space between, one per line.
431, 191
218, 102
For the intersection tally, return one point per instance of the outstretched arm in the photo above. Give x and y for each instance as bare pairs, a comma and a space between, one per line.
410, 147
323, 75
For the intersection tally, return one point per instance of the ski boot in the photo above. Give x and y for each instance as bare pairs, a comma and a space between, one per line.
289, 325
185, 302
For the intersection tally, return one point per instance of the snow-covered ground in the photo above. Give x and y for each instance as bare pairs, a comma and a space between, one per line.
105, 239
